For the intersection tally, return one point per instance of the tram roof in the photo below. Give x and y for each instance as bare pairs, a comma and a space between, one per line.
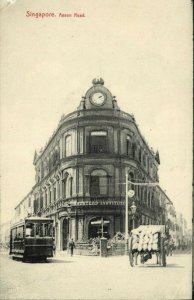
30, 219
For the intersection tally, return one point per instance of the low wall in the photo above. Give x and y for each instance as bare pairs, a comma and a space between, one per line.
117, 249
114, 249
86, 249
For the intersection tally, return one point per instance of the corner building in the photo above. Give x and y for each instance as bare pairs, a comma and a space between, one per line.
80, 173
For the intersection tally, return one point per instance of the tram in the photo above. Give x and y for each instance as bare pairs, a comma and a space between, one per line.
32, 239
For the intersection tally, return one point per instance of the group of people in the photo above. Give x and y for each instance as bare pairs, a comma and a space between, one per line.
95, 241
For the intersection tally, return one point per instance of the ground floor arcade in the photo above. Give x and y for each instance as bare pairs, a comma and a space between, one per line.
88, 223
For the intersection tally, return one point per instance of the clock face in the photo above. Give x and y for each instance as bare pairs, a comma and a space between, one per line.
98, 98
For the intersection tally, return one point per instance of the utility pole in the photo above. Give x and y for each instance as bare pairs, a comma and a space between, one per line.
102, 227
126, 211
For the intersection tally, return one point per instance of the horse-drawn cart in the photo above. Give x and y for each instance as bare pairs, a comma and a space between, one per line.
146, 241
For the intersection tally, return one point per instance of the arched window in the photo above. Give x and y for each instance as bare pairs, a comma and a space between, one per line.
67, 185
129, 145
68, 145
98, 142
98, 183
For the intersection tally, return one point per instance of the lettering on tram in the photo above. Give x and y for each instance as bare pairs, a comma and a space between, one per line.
32, 239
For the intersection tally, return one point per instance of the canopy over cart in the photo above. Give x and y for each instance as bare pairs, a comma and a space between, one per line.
147, 240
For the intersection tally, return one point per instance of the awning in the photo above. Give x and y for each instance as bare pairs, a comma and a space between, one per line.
99, 222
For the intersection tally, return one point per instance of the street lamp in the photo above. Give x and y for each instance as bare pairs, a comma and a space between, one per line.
133, 211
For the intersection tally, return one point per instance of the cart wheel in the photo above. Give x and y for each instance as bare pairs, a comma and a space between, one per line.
163, 252
131, 258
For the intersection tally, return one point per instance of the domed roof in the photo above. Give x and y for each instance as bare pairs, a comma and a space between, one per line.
98, 97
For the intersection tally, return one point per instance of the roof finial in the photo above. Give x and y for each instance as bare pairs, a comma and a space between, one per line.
96, 81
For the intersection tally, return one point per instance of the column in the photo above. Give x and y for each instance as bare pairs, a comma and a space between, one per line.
80, 228
115, 141
57, 190
73, 228
61, 147
48, 195
147, 198
77, 181
73, 182
43, 197
81, 141
117, 224
60, 235
87, 181
52, 193
61, 188
109, 189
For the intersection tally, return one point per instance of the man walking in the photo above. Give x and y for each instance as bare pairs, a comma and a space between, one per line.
71, 246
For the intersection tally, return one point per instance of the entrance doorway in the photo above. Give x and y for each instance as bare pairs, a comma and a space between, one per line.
65, 233
98, 227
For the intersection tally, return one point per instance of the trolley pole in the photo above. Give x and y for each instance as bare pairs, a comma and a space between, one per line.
126, 212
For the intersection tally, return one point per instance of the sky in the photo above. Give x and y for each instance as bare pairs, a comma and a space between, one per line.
142, 50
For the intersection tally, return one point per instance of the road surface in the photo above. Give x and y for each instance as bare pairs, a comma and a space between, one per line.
85, 277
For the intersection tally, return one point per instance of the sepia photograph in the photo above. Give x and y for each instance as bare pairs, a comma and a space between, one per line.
96, 150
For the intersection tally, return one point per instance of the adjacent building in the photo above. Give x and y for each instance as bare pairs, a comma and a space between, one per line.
81, 172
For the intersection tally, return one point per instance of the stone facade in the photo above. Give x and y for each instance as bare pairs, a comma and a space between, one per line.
80, 173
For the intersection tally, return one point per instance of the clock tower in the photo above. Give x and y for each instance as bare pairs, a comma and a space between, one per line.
98, 97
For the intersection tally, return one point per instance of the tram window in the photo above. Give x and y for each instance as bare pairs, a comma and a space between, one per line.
13, 234
48, 230
39, 230
30, 230
20, 232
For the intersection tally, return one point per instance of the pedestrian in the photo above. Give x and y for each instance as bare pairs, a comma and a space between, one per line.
71, 246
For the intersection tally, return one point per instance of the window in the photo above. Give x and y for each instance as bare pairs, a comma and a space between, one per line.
140, 155
68, 145
54, 193
133, 149
30, 230
38, 230
129, 145
144, 160
131, 179
98, 142
13, 233
98, 183
41, 202
20, 232
35, 206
